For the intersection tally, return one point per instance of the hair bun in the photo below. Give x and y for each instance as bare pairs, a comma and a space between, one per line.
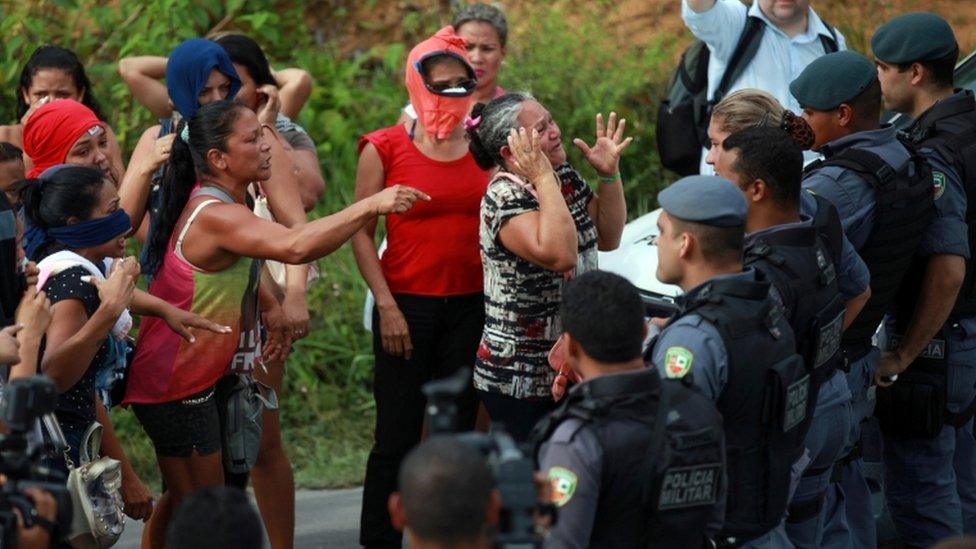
798, 129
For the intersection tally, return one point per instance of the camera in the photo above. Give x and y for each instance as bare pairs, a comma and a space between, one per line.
513, 471
27, 406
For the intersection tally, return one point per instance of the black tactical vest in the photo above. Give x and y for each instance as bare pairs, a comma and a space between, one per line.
763, 404
662, 458
800, 262
915, 406
903, 209
950, 129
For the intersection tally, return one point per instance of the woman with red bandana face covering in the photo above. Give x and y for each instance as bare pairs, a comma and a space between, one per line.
429, 301
66, 132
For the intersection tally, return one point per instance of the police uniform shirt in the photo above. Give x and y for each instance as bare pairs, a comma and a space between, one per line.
573, 460
853, 276
854, 197
950, 235
695, 346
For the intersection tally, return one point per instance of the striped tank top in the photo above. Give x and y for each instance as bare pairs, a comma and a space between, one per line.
166, 367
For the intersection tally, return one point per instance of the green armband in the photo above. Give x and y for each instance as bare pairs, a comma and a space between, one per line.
608, 178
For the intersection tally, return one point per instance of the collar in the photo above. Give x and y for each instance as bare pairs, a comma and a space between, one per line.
959, 102
748, 274
869, 138
815, 25
640, 381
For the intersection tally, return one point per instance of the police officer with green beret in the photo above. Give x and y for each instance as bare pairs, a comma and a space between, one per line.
731, 340
926, 415
882, 190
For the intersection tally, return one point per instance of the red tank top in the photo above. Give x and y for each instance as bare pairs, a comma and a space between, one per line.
433, 249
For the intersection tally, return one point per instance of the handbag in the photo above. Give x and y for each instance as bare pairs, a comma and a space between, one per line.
241, 401
276, 268
97, 518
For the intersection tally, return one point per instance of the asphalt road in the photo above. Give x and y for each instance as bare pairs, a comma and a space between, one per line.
326, 518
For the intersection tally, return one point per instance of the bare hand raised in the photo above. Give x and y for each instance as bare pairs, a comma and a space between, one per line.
604, 155
528, 160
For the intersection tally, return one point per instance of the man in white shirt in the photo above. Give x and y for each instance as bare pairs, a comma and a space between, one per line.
793, 35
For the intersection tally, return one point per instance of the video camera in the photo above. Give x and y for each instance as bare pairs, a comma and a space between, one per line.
28, 404
512, 469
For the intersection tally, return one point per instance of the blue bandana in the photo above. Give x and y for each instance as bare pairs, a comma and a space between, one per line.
188, 69
80, 235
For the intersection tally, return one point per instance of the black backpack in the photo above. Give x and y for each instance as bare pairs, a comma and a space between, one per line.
682, 117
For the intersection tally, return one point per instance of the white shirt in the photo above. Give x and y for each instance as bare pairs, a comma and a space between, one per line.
779, 59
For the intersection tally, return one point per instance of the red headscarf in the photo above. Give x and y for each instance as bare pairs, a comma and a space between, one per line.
53, 129
439, 114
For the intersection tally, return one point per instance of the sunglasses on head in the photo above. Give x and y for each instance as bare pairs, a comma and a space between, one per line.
462, 88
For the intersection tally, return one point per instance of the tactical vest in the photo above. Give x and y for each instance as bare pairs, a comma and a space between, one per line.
763, 404
903, 209
915, 406
662, 458
954, 137
800, 262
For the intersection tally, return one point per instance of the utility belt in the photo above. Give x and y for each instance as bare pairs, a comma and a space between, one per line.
916, 405
852, 353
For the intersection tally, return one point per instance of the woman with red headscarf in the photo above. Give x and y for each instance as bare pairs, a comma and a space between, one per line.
429, 309
64, 131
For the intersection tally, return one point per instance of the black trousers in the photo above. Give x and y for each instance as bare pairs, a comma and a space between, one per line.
445, 333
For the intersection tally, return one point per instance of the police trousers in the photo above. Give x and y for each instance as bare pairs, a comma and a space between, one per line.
826, 440
848, 518
445, 333
930, 484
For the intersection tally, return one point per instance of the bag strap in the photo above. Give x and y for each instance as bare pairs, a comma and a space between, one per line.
743, 53
829, 43
89, 449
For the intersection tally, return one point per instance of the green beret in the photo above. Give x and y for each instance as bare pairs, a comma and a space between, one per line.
833, 79
913, 37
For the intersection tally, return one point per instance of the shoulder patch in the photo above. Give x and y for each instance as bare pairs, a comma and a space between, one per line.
563, 482
938, 184
677, 362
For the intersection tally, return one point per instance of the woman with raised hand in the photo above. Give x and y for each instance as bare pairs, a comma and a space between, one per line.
78, 226
53, 73
428, 285
540, 224
213, 246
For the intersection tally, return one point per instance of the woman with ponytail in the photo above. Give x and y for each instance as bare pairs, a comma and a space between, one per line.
209, 248
429, 302
77, 228
540, 225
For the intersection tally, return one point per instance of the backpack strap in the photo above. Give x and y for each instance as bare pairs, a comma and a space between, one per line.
743, 53
829, 43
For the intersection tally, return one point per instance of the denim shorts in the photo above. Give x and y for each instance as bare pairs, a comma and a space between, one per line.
179, 427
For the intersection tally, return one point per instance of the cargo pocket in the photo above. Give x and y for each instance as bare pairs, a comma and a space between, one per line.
912, 407
961, 358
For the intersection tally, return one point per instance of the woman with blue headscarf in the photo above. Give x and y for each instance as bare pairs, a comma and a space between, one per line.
198, 72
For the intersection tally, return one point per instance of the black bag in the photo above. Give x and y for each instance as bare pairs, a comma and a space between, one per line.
682, 117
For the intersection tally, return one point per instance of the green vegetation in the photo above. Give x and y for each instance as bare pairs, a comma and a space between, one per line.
575, 59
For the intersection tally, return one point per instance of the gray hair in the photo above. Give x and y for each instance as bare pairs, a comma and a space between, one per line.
485, 13
497, 118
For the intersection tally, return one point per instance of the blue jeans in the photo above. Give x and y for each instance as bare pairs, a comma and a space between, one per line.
931, 483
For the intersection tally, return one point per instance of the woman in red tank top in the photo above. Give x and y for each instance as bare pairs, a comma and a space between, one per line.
428, 285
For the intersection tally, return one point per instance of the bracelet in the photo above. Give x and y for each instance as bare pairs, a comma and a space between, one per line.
608, 178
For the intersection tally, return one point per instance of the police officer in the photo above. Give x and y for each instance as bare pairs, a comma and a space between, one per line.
882, 190
732, 341
930, 477
801, 256
615, 482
